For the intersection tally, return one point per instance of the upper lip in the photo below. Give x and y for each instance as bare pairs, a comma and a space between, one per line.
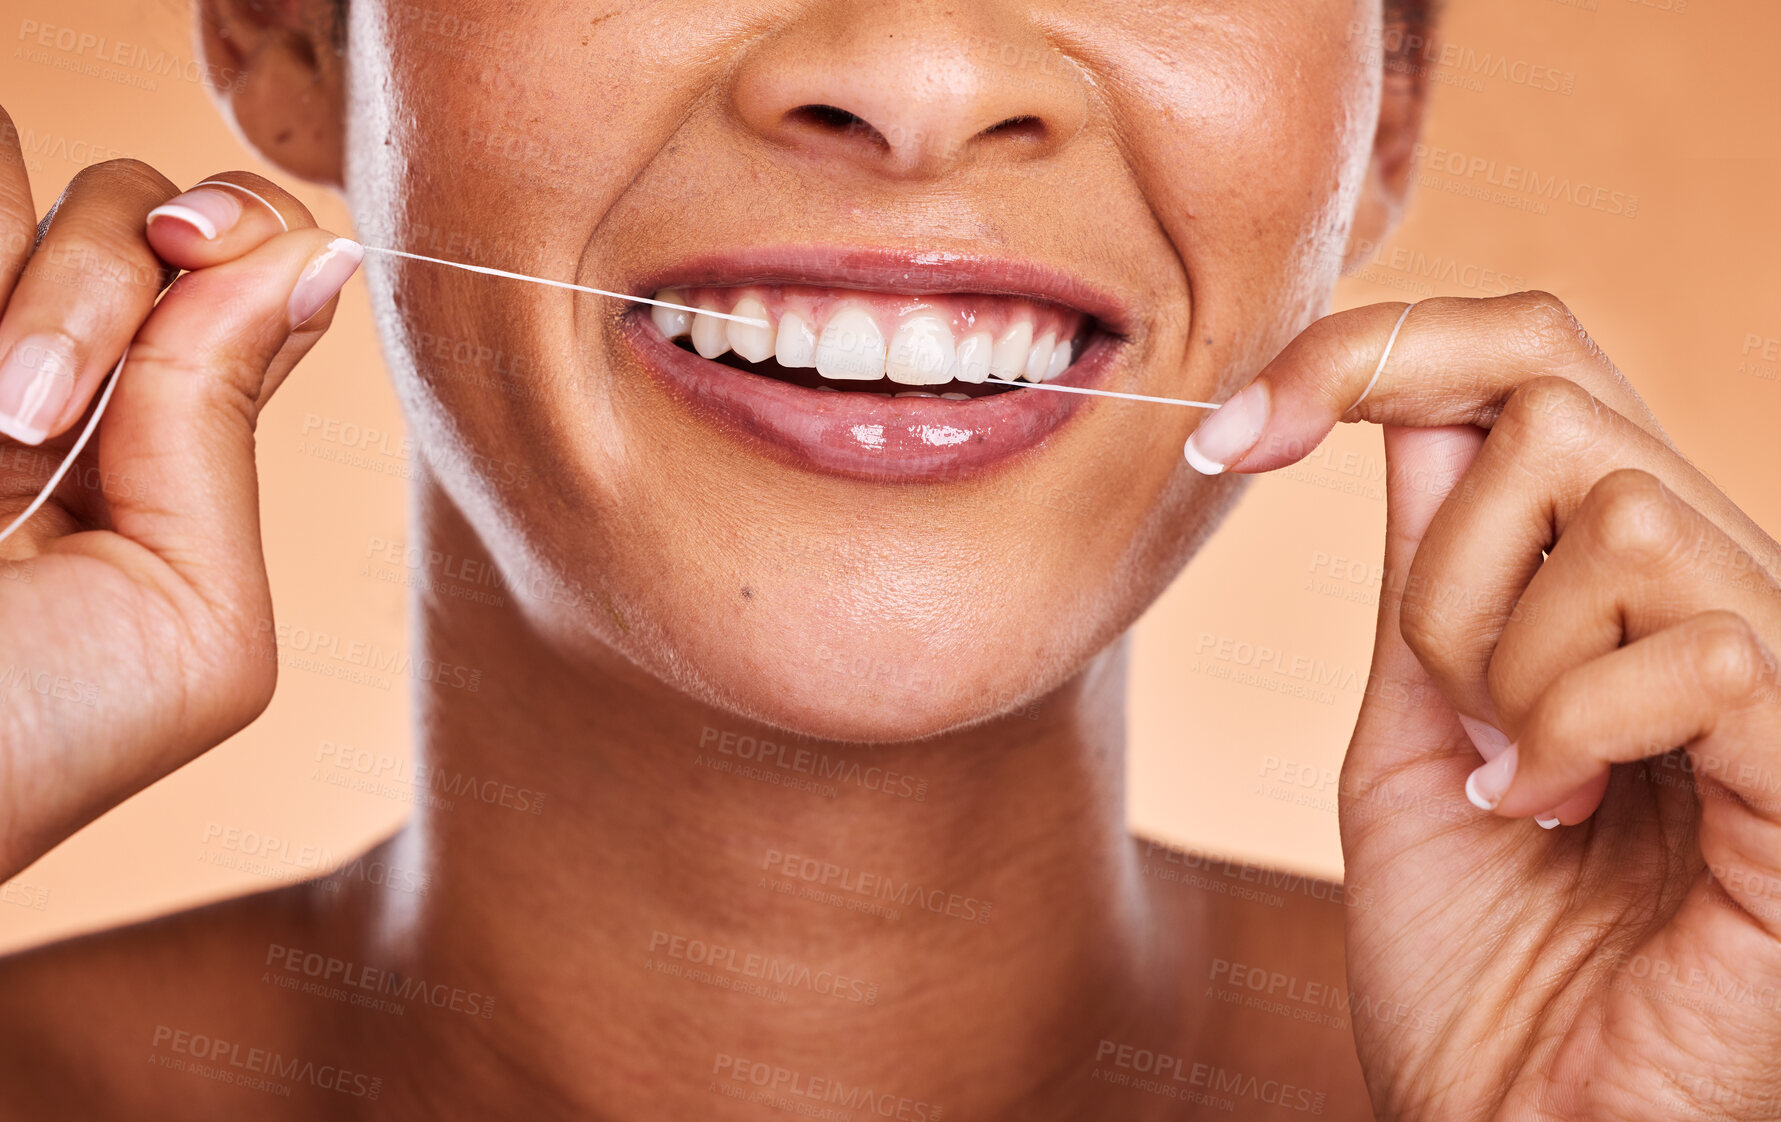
906, 272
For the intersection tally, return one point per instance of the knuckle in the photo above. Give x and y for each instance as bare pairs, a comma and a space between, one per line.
1548, 325
208, 644
1552, 414
123, 174
1560, 717
1428, 628
1420, 632
250, 684
1729, 659
1420, 626
1632, 516
1501, 682
240, 681
220, 382
92, 262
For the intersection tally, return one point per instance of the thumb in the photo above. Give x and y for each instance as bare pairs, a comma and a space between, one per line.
177, 447
1422, 467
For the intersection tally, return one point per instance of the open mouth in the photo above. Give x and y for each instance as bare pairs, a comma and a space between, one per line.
876, 364
839, 341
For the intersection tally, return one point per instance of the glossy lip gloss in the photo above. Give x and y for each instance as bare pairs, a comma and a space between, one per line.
863, 435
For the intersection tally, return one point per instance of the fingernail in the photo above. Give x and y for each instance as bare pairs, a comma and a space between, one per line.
1489, 782
211, 213
324, 277
1231, 430
36, 381
1486, 737
1546, 821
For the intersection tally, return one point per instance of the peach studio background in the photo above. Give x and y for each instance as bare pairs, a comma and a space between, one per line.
1672, 101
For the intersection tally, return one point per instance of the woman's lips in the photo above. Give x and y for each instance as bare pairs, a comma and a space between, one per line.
864, 435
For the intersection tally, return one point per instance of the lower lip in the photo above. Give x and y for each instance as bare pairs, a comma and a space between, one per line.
862, 435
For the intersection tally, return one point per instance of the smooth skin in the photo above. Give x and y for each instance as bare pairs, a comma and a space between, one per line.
1615, 967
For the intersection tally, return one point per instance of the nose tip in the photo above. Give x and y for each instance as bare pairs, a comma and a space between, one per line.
911, 89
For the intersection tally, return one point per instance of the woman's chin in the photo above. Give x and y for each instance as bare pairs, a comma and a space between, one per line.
876, 696
867, 716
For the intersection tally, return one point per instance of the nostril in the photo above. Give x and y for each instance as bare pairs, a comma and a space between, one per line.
1025, 127
831, 119
828, 116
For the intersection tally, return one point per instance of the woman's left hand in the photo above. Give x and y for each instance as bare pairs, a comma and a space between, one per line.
1554, 569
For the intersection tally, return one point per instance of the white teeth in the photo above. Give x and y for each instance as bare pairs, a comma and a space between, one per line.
795, 348
915, 393
671, 322
974, 357
1060, 361
851, 347
921, 352
751, 342
1009, 357
1040, 357
711, 336
956, 396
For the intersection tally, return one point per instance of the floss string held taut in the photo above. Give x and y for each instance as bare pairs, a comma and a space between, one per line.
484, 270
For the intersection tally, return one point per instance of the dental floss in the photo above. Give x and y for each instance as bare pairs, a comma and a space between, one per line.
248, 191
111, 379
750, 320
1380, 369
1104, 393
682, 307
486, 271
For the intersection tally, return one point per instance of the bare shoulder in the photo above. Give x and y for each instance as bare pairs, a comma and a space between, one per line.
1271, 982
118, 1023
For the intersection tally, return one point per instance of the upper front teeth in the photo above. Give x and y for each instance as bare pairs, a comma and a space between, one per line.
973, 357
921, 352
1040, 357
795, 346
711, 336
751, 342
852, 346
1008, 359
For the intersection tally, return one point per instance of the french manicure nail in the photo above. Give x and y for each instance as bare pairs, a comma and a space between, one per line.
1546, 821
1489, 782
1486, 737
36, 381
324, 277
1231, 430
211, 213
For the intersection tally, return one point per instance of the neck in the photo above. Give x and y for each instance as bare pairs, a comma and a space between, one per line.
704, 903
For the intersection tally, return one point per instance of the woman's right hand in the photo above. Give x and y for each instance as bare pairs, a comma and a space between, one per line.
135, 617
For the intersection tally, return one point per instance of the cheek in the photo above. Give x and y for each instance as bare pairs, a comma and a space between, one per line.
473, 107
1253, 144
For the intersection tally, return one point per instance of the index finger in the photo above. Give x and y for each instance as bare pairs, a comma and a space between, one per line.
1454, 361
